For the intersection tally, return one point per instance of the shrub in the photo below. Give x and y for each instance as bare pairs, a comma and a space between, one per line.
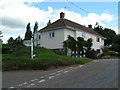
106, 57
91, 54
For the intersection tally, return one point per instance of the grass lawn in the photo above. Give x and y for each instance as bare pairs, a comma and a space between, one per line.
20, 59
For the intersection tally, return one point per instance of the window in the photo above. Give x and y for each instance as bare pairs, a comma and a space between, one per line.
51, 35
39, 37
98, 39
83, 35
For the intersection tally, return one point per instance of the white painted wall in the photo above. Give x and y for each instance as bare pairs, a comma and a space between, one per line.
62, 35
86, 36
68, 32
55, 42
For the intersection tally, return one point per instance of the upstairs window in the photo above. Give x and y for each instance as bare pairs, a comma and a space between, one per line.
98, 39
51, 35
39, 37
83, 35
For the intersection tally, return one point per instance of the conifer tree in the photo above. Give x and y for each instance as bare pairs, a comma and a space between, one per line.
28, 33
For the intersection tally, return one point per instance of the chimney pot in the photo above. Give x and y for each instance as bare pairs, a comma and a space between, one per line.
90, 26
62, 15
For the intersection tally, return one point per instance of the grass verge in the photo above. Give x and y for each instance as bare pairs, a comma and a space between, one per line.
20, 60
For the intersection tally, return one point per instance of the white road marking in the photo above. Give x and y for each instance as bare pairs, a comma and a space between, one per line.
52, 73
34, 80
41, 80
58, 74
60, 71
11, 87
32, 84
51, 77
65, 71
25, 83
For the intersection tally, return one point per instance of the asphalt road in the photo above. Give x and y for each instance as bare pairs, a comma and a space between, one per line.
96, 74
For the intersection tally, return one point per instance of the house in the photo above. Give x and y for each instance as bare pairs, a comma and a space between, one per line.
54, 34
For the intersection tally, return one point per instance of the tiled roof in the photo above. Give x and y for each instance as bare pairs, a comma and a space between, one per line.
64, 22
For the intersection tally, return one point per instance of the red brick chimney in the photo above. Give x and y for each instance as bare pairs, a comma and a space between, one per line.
62, 15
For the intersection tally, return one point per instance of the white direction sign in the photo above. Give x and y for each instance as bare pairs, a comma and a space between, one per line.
27, 42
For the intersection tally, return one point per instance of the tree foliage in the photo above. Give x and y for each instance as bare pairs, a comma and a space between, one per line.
15, 44
28, 33
77, 46
35, 27
109, 34
116, 44
10, 41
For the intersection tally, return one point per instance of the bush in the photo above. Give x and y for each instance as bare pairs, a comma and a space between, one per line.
106, 57
91, 54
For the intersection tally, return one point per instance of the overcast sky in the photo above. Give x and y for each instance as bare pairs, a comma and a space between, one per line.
16, 14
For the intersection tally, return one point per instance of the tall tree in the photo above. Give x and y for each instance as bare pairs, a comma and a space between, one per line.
35, 27
28, 33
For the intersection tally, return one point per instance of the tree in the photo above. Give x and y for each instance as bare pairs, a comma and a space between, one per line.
109, 34
88, 44
65, 46
116, 44
1, 37
35, 27
28, 34
15, 44
18, 41
10, 41
80, 44
70, 43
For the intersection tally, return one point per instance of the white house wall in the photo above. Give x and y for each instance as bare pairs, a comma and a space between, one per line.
61, 35
55, 42
68, 32
86, 36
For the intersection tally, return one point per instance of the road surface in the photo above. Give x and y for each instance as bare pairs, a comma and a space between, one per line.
96, 74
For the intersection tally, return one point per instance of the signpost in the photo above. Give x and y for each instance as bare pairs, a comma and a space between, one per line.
29, 43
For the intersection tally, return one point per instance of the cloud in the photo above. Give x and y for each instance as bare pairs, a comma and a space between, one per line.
16, 14
106, 17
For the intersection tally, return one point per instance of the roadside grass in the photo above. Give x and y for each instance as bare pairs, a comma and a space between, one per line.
20, 60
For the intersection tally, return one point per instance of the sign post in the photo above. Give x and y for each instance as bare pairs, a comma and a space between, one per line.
29, 43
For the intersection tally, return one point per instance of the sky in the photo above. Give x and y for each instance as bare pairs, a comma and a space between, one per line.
16, 14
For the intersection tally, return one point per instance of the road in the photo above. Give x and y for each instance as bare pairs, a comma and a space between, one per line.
96, 74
